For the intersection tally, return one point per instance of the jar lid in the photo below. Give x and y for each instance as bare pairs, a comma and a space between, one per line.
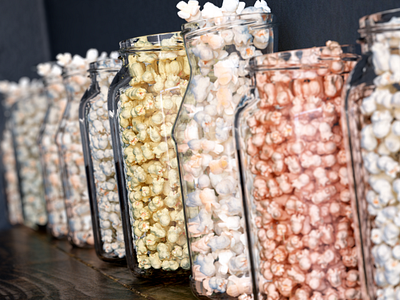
379, 22
310, 58
228, 21
161, 41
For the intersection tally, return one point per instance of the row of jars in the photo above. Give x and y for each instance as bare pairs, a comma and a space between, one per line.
188, 157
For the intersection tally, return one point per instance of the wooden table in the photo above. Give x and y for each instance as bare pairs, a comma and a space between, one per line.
34, 267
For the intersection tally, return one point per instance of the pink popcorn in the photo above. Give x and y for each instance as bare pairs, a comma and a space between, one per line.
305, 203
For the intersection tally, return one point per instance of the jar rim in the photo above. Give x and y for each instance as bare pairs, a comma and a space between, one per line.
204, 26
152, 42
72, 70
380, 21
307, 58
111, 64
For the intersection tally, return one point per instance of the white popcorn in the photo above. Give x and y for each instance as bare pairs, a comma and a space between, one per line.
376, 236
72, 156
27, 117
388, 165
381, 57
207, 152
392, 143
368, 140
211, 11
396, 252
391, 234
371, 162
396, 99
384, 97
368, 105
381, 123
11, 188
380, 278
396, 128
189, 11
383, 105
394, 63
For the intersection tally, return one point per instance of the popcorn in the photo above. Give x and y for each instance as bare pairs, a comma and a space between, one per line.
305, 241
380, 163
25, 123
206, 150
145, 115
11, 92
189, 11
71, 156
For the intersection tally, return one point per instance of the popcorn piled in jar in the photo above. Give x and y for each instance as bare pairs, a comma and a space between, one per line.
26, 119
295, 179
145, 112
219, 43
11, 92
69, 143
98, 154
49, 156
373, 123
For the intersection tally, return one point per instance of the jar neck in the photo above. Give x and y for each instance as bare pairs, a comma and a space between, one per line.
205, 26
302, 59
381, 27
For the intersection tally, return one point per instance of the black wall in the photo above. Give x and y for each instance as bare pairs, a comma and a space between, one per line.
32, 31
77, 25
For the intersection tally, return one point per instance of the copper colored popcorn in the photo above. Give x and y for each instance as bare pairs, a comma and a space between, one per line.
295, 176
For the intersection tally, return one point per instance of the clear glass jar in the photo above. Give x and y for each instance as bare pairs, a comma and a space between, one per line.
68, 140
26, 119
219, 51
294, 176
372, 124
99, 162
9, 167
143, 102
49, 156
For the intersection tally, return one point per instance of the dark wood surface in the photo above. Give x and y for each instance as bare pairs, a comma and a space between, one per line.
34, 267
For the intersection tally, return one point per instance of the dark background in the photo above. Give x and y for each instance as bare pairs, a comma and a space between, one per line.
33, 31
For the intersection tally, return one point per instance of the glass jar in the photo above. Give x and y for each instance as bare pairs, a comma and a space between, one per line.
294, 176
68, 140
49, 156
9, 167
143, 102
99, 162
218, 51
372, 124
26, 119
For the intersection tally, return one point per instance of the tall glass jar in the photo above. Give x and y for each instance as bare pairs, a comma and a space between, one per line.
99, 162
218, 51
9, 167
26, 119
372, 122
49, 156
68, 140
143, 102
294, 176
